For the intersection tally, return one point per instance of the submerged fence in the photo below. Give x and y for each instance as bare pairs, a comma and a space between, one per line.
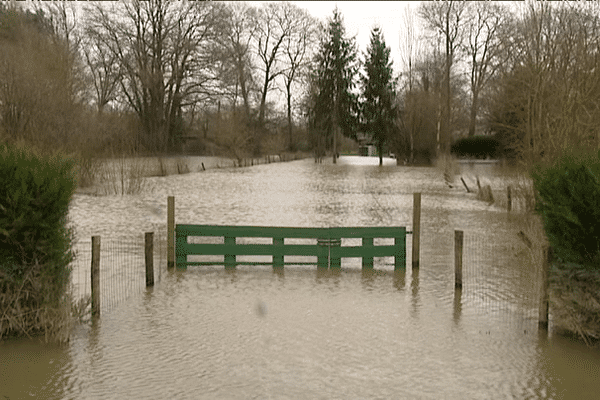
123, 267
119, 266
499, 279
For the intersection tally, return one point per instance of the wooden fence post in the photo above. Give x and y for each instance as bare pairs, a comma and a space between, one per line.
458, 252
509, 197
544, 306
416, 229
149, 250
96, 276
170, 232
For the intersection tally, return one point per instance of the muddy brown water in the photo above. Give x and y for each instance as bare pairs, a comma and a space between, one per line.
207, 333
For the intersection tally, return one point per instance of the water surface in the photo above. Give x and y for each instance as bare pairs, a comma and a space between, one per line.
253, 333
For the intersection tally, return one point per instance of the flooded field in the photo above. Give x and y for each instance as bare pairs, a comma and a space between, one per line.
208, 333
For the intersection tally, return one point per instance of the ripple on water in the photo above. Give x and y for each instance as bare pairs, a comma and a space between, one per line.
207, 333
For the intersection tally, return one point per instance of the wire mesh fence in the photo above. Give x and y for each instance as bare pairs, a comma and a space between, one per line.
122, 268
500, 284
499, 280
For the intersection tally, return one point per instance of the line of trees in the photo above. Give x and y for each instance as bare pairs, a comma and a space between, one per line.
146, 75
161, 71
526, 72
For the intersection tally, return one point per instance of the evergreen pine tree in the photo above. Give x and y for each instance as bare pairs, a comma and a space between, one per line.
335, 106
378, 92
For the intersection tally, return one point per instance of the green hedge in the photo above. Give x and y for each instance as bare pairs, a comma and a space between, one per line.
569, 203
476, 147
35, 242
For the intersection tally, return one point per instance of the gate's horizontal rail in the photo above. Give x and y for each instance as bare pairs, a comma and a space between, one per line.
328, 247
289, 232
285, 250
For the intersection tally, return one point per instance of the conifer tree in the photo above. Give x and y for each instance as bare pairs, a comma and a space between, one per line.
378, 92
335, 106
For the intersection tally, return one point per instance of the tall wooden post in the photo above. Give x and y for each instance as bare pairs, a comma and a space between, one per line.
95, 276
170, 232
544, 306
458, 250
149, 252
416, 229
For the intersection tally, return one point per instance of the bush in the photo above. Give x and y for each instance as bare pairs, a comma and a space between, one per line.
476, 147
569, 204
35, 242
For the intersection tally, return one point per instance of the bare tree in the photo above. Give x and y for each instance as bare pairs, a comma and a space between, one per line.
235, 49
274, 26
38, 101
298, 48
446, 18
482, 47
410, 50
548, 99
103, 68
161, 47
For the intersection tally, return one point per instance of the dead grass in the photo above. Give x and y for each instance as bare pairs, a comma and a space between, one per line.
448, 165
123, 176
27, 309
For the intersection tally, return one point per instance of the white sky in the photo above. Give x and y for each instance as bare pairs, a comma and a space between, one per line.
360, 17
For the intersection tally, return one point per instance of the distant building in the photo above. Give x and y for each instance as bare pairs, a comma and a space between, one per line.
366, 147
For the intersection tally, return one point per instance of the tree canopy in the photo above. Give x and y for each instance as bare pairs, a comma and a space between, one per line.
378, 92
336, 105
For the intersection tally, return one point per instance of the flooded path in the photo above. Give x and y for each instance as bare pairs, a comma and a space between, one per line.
208, 333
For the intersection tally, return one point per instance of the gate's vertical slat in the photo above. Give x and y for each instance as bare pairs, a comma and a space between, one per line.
170, 231
400, 258
335, 260
277, 258
323, 250
180, 240
229, 259
367, 262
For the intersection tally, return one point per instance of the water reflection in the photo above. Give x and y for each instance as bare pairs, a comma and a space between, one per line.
414, 288
457, 305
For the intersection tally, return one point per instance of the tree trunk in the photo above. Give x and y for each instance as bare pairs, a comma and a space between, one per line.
289, 116
335, 129
473, 117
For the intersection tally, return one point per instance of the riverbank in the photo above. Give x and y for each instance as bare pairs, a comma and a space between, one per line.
127, 175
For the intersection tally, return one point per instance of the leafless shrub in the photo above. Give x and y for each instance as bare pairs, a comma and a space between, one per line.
448, 165
123, 176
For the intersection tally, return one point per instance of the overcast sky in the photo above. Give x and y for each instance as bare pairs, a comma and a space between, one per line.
361, 16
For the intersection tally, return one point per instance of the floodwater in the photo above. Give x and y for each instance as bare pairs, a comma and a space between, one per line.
207, 333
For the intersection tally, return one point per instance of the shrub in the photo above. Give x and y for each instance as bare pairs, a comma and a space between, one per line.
476, 147
35, 242
569, 204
